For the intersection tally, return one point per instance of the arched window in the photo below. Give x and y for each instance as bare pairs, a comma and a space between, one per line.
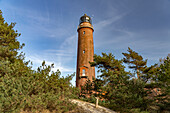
84, 72
83, 32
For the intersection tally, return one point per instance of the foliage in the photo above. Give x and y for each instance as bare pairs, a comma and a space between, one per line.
8, 40
118, 90
22, 88
114, 85
163, 83
135, 60
148, 73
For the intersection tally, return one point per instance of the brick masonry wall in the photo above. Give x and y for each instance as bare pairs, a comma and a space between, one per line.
85, 53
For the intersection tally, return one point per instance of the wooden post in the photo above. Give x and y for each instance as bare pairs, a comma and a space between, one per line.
97, 100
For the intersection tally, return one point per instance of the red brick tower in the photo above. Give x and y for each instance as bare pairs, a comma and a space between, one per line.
85, 51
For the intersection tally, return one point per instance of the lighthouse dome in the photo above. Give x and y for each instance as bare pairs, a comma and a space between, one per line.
85, 18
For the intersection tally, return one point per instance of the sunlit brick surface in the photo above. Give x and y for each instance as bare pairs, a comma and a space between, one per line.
85, 54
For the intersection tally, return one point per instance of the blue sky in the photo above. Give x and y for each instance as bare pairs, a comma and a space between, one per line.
49, 28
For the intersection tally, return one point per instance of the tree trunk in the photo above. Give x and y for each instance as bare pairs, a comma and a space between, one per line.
138, 73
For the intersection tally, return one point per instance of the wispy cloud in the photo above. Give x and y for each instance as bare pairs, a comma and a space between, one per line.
37, 61
70, 43
37, 22
109, 21
60, 53
146, 42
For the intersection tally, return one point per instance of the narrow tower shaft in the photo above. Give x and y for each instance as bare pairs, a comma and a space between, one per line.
85, 51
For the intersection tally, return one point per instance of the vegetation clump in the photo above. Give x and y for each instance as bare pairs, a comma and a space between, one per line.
24, 89
122, 91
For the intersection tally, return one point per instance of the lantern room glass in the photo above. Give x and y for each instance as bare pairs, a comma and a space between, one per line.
85, 18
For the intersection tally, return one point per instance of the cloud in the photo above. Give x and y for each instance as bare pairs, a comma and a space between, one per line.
107, 22
38, 59
36, 22
70, 43
148, 43
60, 53
67, 49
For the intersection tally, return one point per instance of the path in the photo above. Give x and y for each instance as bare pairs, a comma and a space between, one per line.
90, 108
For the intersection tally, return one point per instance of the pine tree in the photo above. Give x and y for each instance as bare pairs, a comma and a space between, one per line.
8, 40
162, 80
135, 60
22, 88
120, 91
108, 65
13, 70
148, 73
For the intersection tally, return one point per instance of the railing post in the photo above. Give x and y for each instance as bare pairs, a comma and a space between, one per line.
97, 101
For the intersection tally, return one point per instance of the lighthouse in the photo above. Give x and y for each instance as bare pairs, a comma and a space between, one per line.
85, 51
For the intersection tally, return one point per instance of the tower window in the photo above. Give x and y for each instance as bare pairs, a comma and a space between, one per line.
84, 72
83, 32
83, 51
